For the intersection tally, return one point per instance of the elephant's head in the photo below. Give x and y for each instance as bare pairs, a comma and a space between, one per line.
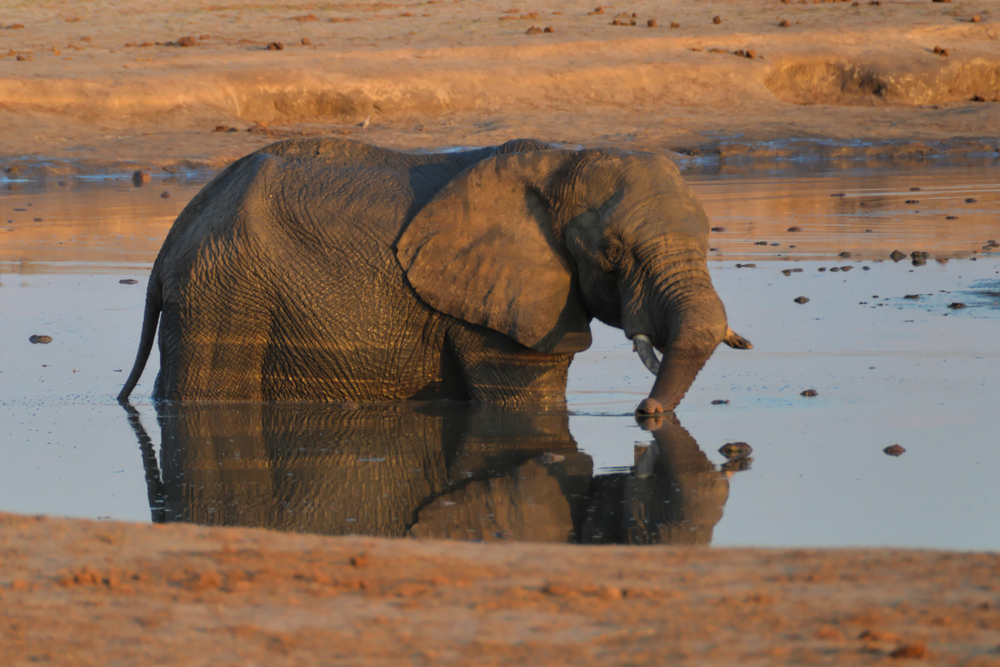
534, 244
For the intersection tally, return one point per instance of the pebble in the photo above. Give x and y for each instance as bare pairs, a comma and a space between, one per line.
838, 194
809, 393
787, 272
720, 401
40, 340
896, 256
716, 20
651, 23
718, 229
736, 450
956, 305
951, 217
794, 229
941, 52
597, 10
187, 41
746, 266
783, 23
970, 200
306, 41
912, 296
141, 178
894, 450
165, 195
919, 254
675, 24
533, 30
275, 46
910, 651
912, 201
128, 281
801, 299
845, 254
549, 29
976, 18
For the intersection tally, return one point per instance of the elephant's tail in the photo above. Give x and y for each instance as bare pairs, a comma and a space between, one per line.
154, 303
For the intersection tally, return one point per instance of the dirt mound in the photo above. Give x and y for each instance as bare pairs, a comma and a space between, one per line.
920, 81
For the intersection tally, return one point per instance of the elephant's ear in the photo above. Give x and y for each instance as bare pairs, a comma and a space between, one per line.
483, 250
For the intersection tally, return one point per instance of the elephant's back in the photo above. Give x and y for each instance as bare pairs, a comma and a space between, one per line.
282, 284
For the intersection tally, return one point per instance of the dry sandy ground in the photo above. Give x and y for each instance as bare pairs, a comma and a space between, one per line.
103, 86
87, 593
84, 87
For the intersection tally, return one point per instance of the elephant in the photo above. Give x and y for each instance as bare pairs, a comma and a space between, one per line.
333, 270
445, 470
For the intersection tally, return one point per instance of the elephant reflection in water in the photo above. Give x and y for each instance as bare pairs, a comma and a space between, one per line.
424, 471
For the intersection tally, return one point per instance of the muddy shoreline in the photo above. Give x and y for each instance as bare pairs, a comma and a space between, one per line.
729, 157
110, 90
84, 592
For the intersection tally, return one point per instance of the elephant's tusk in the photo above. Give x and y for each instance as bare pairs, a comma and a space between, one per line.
644, 347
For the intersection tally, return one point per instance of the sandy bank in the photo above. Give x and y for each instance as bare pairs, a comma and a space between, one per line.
79, 90
79, 593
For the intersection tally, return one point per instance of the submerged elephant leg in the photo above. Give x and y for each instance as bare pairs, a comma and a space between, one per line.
496, 369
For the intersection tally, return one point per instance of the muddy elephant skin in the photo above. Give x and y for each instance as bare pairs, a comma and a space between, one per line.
330, 270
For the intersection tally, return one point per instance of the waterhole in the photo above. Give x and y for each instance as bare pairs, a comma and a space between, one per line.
889, 356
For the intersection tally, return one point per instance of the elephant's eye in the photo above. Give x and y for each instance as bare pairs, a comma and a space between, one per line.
613, 251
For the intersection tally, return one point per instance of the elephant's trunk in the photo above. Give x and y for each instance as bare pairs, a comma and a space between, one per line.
680, 366
687, 323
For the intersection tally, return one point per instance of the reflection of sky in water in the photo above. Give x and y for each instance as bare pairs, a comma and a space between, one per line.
909, 371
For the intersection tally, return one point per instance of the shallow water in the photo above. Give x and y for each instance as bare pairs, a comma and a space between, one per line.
887, 369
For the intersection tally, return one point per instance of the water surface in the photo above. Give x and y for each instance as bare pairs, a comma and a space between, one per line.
887, 369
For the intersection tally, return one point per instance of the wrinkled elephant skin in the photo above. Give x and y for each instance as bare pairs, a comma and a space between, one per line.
330, 270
